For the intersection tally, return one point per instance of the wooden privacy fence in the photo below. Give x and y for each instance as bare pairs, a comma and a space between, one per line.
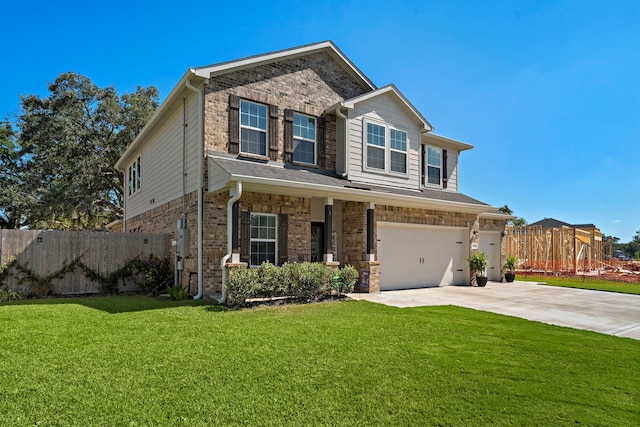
45, 252
558, 250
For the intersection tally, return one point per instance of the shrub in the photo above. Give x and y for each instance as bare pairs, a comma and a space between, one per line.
157, 274
240, 285
345, 280
301, 280
177, 292
7, 294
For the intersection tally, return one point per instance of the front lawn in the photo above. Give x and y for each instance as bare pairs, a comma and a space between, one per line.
582, 283
137, 361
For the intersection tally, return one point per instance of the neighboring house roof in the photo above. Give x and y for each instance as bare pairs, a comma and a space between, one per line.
554, 223
396, 94
267, 176
267, 58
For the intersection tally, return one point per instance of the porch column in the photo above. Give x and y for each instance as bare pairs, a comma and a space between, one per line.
371, 247
328, 230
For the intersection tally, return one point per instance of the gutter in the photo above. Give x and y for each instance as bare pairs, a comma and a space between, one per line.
200, 93
235, 196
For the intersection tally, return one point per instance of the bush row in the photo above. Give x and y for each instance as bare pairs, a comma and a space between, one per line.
301, 280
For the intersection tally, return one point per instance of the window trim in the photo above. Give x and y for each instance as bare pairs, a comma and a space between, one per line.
395, 150
265, 130
298, 138
134, 176
252, 239
427, 165
387, 149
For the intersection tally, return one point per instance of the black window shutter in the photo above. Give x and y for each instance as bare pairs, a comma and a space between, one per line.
283, 235
288, 135
444, 169
234, 124
245, 237
423, 166
322, 142
273, 132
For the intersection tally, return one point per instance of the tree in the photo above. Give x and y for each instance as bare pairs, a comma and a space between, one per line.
13, 199
632, 249
71, 141
517, 222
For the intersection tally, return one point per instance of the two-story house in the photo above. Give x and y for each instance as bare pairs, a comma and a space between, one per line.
296, 155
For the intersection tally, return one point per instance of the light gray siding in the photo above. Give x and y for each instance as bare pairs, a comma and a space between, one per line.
162, 160
452, 170
382, 110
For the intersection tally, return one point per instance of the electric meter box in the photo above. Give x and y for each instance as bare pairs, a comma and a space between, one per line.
182, 242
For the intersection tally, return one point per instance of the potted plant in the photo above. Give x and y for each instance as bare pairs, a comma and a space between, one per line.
478, 263
510, 264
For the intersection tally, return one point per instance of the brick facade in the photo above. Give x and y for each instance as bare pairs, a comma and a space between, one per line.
308, 85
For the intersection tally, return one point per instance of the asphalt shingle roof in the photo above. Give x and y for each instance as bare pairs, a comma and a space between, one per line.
299, 175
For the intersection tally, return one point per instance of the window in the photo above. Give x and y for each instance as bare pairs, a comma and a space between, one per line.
390, 157
135, 176
304, 139
253, 128
398, 141
434, 165
375, 146
263, 239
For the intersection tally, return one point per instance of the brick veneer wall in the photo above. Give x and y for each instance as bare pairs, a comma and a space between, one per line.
163, 219
299, 211
308, 84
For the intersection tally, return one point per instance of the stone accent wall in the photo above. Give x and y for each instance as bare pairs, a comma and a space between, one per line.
308, 85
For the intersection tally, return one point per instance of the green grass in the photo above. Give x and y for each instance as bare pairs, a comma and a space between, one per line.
583, 283
136, 361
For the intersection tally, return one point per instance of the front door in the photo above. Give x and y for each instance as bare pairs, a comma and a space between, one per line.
317, 241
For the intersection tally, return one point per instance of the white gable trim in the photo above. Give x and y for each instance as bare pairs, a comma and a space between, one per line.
267, 58
397, 95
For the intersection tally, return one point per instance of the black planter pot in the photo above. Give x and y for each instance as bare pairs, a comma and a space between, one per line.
482, 281
509, 277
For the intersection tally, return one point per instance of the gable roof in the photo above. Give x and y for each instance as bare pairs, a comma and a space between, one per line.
283, 177
267, 58
554, 223
393, 91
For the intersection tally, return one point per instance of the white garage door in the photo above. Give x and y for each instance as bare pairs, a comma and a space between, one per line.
490, 245
413, 256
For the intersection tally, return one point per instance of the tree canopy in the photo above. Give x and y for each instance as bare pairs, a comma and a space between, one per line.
516, 222
61, 157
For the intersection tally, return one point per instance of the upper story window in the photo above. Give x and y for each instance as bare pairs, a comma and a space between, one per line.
386, 156
263, 239
434, 166
304, 139
135, 176
376, 144
253, 128
398, 140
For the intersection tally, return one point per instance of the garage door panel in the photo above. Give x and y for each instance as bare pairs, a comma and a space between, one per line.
419, 256
490, 245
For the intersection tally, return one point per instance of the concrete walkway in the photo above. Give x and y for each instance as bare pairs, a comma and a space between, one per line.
605, 312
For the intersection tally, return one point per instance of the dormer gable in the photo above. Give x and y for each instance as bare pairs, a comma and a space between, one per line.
379, 138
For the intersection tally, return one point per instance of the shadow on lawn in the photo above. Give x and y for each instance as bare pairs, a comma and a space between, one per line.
120, 303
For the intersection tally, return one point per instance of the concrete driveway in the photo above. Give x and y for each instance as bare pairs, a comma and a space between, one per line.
605, 312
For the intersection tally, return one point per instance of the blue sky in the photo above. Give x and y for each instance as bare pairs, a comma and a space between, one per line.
548, 92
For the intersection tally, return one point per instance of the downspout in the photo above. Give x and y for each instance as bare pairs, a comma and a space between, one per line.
234, 198
200, 93
339, 113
